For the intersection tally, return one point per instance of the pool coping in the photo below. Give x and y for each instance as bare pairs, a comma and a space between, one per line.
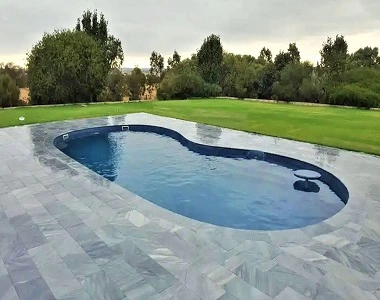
336, 250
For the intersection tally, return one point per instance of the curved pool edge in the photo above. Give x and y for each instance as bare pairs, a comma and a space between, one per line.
352, 213
330, 179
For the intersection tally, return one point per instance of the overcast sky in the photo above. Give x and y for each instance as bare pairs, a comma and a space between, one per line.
245, 26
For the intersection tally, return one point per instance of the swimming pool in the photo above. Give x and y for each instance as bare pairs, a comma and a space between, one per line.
245, 189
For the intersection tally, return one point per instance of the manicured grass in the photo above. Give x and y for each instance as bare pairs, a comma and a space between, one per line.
352, 129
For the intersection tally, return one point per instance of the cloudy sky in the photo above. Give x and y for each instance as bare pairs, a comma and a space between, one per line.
245, 26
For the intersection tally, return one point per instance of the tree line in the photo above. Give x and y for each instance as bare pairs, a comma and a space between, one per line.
83, 64
339, 79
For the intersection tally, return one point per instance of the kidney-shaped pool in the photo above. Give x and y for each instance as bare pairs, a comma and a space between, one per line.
245, 189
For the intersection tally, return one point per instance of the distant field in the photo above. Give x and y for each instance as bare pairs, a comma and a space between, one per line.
352, 129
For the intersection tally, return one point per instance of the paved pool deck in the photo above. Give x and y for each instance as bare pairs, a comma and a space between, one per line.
68, 233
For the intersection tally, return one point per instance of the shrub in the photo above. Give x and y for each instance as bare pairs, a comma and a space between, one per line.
183, 82
66, 66
116, 86
211, 90
9, 91
353, 95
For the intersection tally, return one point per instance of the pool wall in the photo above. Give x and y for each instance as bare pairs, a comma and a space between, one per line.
328, 178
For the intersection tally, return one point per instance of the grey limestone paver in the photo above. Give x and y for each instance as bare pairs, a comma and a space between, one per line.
68, 233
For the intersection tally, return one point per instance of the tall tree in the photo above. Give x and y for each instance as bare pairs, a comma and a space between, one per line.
174, 61
366, 57
97, 28
156, 65
334, 56
281, 60
209, 58
156, 71
136, 82
267, 77
266, 55
294, 53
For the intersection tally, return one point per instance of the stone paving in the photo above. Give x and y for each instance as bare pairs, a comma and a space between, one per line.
67, 233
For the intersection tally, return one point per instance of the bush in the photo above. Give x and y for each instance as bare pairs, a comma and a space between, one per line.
183, 82
353, 95
211, 90
17, 73
116, 86
64, 67
9, 91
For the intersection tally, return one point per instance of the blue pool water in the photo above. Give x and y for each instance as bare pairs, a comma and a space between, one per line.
237, 193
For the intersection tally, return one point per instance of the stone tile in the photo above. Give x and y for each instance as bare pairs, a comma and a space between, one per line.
35, 288
344, 289
274, 280
136, 218
94, 221
7, 290
179, 247
227, 296
99, 251
217, 273
154, 274
300, 267
109, 235
80, 294
377, 294
289, 293
99, 286
11, 245
52, 268
201, 285
174, 264
57, 209
3, 269
240, 289
3, 216
81, 265
178, 291
69, 220
22, 269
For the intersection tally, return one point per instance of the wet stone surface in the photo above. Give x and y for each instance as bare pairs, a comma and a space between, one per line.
68, 233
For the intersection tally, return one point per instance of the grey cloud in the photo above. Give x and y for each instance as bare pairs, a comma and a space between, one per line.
165, 25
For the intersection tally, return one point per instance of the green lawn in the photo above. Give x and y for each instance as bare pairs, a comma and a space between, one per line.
351, 129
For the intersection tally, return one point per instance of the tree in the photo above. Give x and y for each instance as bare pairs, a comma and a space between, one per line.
184, 81
9, 91
156, 66
136, 82
265, 55
294, 53
334, 55
98, 29
116, 86
366, 57
281, 60
66, 66
174, 61
287, 88
209, 58
311, 89
17, 73
266, 78
239, 76
156, 71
